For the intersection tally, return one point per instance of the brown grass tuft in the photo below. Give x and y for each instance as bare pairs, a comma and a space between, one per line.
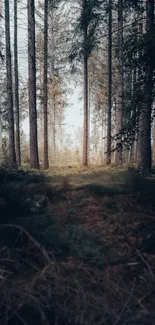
51, 292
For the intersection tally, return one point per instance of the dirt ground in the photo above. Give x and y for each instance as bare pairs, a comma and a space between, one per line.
89, 258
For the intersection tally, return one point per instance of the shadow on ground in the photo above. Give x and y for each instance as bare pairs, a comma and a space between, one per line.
77, 247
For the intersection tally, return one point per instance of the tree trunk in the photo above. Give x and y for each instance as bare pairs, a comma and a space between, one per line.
1, 137
108, 160
89, 110
153, 147
18, 151
139, 141
54, 127
145, 148
86, 108
139, 78
105, 140
119, 98
46, 159
34, 159
12, 154
134, 106
52, 68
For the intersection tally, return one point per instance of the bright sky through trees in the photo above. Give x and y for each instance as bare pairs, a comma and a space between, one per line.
73, 112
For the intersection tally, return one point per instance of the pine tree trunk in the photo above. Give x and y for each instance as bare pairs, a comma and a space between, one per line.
119, 95
134, 108
108, 158
52, 67
46, 159
145, 148
139, 77
41, 110
89, 110
54, 128
86, 108
12, 154
34, 159
103, 138
139, 141
153, 147
18, 151
1, 137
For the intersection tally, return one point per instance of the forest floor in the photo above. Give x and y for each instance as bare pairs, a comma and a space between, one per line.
88, 257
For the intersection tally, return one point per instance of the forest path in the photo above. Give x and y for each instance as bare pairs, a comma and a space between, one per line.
105, 202
87, 252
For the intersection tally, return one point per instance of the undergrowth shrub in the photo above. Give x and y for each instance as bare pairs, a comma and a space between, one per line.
79, 242
73, 241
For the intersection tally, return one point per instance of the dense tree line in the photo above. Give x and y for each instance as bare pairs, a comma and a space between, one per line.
109, 48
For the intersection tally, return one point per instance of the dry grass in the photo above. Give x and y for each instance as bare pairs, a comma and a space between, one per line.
76, 176
72, 292
111, 282
51, 292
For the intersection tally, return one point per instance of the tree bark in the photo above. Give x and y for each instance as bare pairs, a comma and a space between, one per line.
34, 159
134, 74
153, 147
54, 126
145, 132
12, 154
46, 159
1, 137
139, 78
86, 108
119, 97
108, 157
18, 151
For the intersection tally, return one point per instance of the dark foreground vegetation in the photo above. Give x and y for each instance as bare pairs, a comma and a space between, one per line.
78, 248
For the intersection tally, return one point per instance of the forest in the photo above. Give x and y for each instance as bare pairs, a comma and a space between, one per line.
77, 162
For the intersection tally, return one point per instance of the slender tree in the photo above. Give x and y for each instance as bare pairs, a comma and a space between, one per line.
140, 77
34, 159
16, 87
54, 125
108, 158
153, 146
46, 159
119, 95
86, 108
146, 160
1, 136
85, 39
52, 51
12, 154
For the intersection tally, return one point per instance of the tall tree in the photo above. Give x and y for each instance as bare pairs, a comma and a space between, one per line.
145, 147
12, 154
57, 79
141, 82
85, 89
16, 86
119, 94
34, 158
108, 158
46, 159
153, 146
84, 42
